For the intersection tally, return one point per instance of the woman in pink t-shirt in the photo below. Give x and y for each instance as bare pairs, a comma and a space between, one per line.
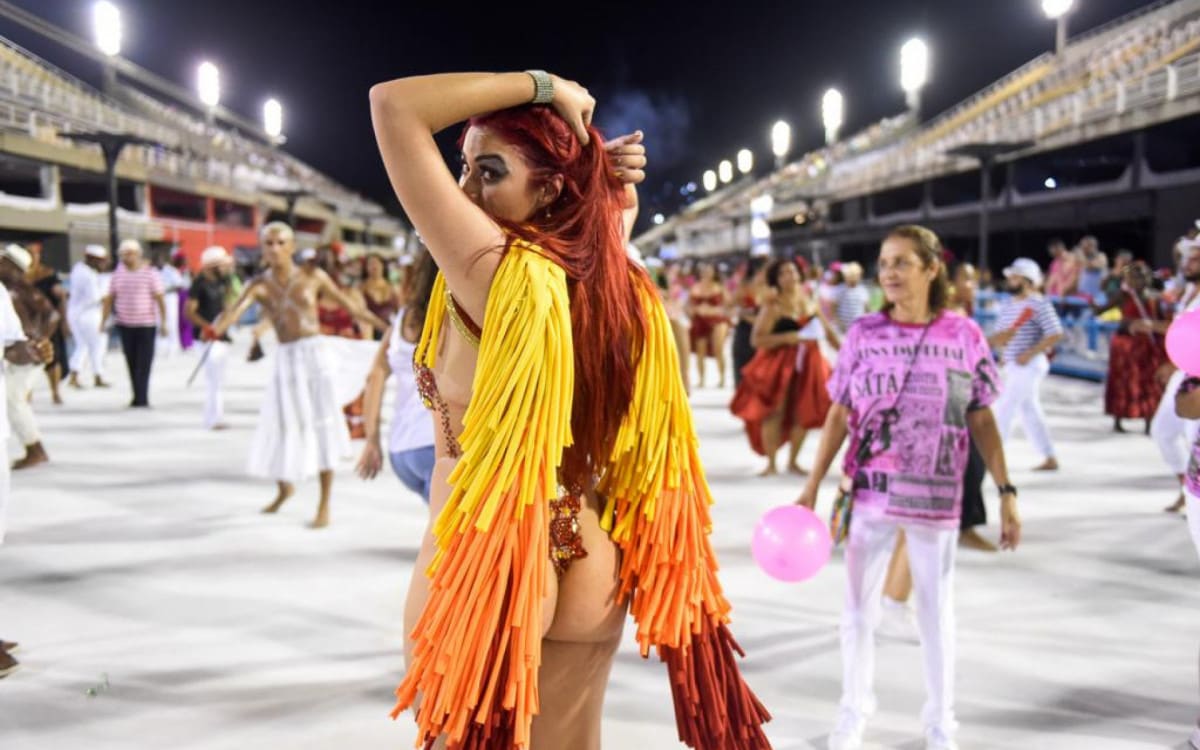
912, 383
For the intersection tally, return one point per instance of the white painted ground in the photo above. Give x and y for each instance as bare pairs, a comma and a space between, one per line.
140, 555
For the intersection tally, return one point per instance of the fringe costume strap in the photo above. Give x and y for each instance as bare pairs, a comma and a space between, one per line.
657, 511
477, 646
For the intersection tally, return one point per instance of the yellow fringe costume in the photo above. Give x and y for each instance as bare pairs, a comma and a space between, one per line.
477, 645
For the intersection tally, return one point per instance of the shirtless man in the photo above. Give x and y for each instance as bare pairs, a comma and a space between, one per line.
38, 319
310, 435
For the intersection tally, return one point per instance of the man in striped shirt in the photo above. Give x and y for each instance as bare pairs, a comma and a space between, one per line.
135, 300
1027, 328
852, 298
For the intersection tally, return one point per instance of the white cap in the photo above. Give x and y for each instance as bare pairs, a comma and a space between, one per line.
306, 255
95, 251
18, 255
129, 246
1026, 268
1186, 245
406, 260
213, 255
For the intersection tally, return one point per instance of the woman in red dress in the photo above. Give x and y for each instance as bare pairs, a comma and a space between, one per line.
783, 387
708, 308
1132, 391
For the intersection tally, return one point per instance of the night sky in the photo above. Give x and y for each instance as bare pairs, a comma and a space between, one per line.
702, 79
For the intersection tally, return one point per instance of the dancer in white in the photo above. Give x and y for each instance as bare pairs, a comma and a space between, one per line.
206, 301
17, 352
300, 431
1027, 328
1173, 434
85, 298
38, 317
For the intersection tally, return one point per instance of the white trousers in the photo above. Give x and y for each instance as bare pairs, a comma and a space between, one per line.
90, 342
1022, 395
214, 381
18, 385
931, 555
1173, 434
169, 344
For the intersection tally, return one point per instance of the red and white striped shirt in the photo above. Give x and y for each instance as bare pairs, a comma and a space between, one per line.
133, 295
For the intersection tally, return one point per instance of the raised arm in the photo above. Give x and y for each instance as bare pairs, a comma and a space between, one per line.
235, 313
406, 114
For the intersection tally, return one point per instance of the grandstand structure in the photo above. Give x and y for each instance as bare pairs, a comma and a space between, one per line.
193, 183
1103, 135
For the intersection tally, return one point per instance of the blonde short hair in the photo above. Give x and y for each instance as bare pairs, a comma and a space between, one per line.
277, 227
129, 246
852, 271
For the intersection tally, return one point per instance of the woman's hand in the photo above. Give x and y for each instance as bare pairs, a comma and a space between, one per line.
1010, 522
627, 156
808, 498
371, 460
575, 105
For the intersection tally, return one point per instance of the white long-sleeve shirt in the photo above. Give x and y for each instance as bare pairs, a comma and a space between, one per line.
86, 291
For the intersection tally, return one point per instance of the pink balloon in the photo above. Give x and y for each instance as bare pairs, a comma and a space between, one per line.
791, 543
1183, 342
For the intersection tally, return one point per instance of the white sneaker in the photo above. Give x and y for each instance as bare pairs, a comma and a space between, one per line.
936, 739
898, 622
1194, 740
847, 734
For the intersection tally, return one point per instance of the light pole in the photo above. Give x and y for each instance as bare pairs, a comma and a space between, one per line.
914, 71
832, 114
710, 180
1057, 11
986, 154
781, 142
106, 22
725, 171
208, 86
745, 161
111, 145
273, 121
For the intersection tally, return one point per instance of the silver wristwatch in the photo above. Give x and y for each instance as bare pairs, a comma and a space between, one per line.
543, 86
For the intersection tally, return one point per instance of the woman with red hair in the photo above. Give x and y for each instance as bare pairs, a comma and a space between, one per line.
567, 487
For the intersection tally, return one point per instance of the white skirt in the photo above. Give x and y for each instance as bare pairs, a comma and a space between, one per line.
301, 430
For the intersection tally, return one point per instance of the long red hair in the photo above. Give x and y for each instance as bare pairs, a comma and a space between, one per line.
581, 231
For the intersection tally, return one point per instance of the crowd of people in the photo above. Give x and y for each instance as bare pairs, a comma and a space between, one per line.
563, 482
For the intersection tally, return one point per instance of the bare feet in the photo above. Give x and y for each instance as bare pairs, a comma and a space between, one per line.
971, 539
1177, 506
1050, 464
770, 471
219, 426
797, 469
321, 521
102, 383
285, 491
73, 381
34, 454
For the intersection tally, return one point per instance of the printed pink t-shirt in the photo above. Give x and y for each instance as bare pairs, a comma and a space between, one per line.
1192, 479
919, 442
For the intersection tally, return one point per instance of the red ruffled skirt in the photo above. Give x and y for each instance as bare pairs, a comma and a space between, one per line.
1131, 392
771, 381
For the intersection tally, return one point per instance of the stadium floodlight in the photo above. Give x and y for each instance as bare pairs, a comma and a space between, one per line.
208, 84
725, 171
914, 70
106, 20
745, 161
710, 180
1055, 9
273, 118
832, 114
781, 141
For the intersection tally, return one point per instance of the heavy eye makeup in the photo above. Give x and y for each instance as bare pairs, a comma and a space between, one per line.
491, 168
